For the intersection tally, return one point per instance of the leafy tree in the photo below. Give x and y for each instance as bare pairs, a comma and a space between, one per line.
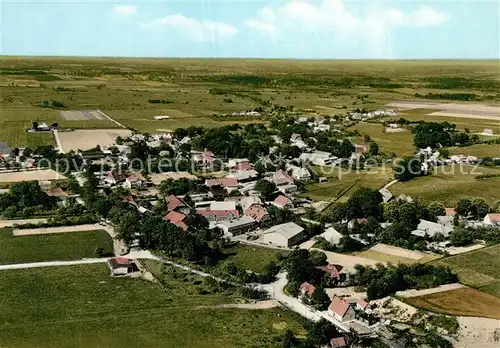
461, 237
266, 188
374, 149
364, 203
464, 207
407, 169
320, 299
436, 209
318, 258
479, 209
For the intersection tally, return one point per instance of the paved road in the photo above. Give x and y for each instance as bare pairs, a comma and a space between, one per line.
58, 141
51, 264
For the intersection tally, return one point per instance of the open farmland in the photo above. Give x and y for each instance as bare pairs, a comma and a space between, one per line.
89, 139
40, 307
451, 183
478, 150
192, 91
478, 269
30, 175
51, 247
460, 302
399, 143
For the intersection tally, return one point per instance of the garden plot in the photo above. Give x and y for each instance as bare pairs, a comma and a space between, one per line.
82, 115
89, 138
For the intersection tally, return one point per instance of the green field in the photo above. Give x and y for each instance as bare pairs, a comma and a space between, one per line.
450, 184
193, 90
50, 247
479, 269
399, 143
252, 257
82, 306
342, 182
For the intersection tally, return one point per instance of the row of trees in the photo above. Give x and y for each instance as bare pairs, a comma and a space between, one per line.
25, 199
381, 281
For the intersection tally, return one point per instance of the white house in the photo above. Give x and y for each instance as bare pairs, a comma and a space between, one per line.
432, 229
120, 266
298, 173
331, 235
341, 310
284, 235
319, 158
386, 194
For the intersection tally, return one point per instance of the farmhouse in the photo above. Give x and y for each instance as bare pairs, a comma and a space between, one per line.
174, 203
338, 342
386, 194
243, 175
121, 266
282, 202
234, 227
431, 229
258, 213
298, 173
319, 158
135, 180
341, 310
306, 291
333, 271
284, 235
331, 235
282, 178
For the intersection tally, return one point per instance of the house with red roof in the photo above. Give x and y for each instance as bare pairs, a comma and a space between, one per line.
175, 203
177, 219
282, 178
450, 211
134, 180
228, 184
258, 213
113, 177
334, 272
306, 291
492, 219
362, 305
282, 202
338, 342
218, 215
121, 266
341, 310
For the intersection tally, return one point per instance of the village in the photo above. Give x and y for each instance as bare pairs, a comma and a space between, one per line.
262, 202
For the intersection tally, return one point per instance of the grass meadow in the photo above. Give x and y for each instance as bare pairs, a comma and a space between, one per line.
341, 183
82, 306
479, 269
54, 246
451, 183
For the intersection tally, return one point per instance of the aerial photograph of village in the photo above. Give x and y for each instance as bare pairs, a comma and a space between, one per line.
287, 174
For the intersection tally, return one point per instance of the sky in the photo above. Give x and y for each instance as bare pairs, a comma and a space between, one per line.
299, 29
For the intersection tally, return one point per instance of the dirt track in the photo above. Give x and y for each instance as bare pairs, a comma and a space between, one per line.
442, 288
62, 229
31, 175
392, 250
88, 138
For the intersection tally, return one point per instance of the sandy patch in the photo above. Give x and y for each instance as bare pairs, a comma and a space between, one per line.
346, 292
461, 250
89, 138
347, 261
12, 223
416, 293
478, 332
470, 110
62, 229
394, 309
465, 115
395, 130
159, 177
32, 175
392, 250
